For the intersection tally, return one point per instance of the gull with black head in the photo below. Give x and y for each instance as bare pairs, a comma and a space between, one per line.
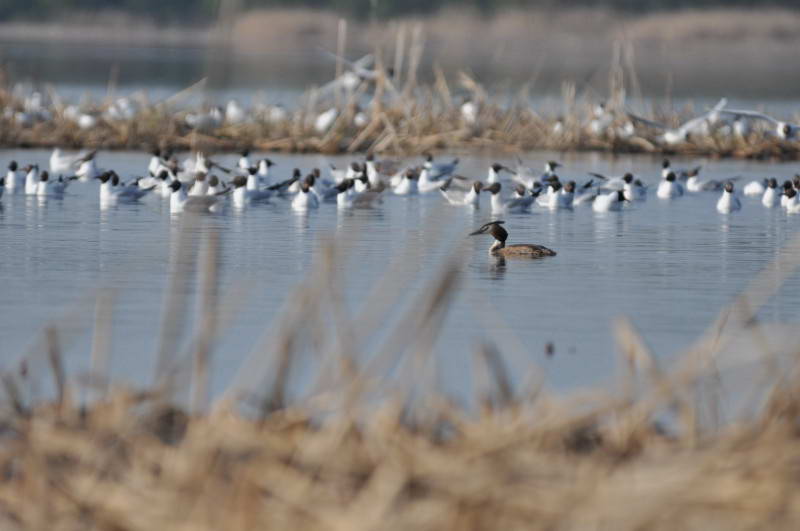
13, 179
457, 197
728, 202
501, 206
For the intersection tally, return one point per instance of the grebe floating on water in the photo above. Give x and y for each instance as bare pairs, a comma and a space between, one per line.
520, 250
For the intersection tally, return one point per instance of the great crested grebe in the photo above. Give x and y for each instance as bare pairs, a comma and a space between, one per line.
520, 250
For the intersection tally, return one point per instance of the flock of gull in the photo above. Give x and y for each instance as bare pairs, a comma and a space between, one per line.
194, 184
29, 106
603, 121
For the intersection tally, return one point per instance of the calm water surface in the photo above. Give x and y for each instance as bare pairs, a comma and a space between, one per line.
670, 266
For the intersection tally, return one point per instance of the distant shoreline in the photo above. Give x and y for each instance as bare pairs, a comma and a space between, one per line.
258, 29
682, 53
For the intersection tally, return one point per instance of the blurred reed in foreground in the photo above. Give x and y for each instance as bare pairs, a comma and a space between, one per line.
361, 449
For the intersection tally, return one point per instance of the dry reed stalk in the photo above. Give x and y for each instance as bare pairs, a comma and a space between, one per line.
341, 45
399, 53
208, 307
182, 94
101, 342
173, 318
415, 55
442, 88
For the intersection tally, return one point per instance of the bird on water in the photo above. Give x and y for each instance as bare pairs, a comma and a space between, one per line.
520, 250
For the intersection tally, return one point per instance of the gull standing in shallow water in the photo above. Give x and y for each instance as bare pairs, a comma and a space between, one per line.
457, 197
681, 174
262, 175
32, 179
787, 185
669, 188
242, 196
494, 173
771, 197
437, 170
111, 193
610, 202
520, 250
13, 181
408, 183
756, 187
180, 201
305, 199
633, 189
47, 188
501, 206
792, 204
728, 202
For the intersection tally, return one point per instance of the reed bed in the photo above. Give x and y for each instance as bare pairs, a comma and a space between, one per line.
394, 113
372, 444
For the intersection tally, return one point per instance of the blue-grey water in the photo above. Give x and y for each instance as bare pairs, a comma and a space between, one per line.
668, 265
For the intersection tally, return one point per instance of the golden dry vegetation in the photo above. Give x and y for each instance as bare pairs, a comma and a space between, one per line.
364, 451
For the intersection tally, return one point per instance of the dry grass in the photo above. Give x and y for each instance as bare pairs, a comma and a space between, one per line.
407, 114
362, 450
403, 117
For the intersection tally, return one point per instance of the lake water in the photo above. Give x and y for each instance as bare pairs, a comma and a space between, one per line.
669, 265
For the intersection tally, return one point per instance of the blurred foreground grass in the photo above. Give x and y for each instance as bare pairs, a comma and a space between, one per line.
365, 450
